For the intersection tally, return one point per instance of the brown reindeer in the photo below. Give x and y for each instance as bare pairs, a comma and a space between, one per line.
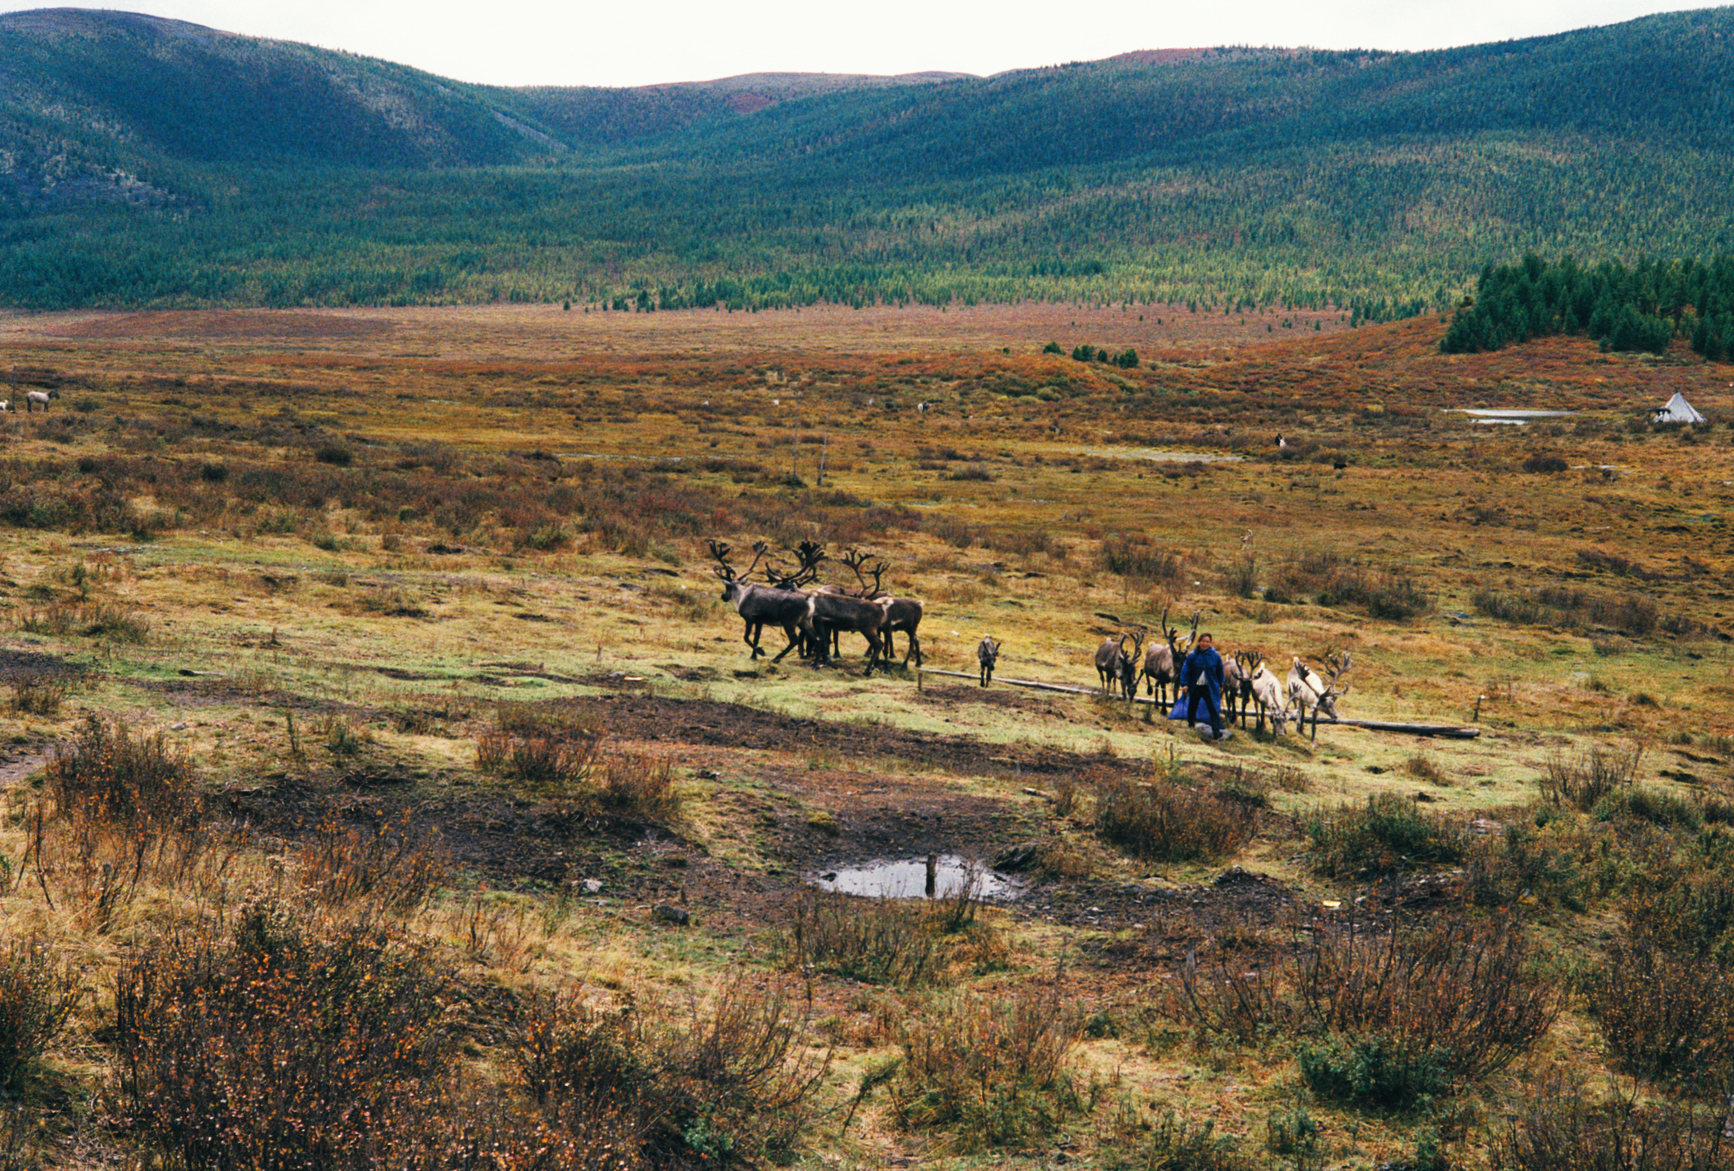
760, 605
902, 615
987, 654
1162, 661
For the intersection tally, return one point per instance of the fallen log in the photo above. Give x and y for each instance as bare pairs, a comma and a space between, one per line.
1444, 731
1067, 688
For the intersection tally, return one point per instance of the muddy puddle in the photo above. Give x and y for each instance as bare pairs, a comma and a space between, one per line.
912, 878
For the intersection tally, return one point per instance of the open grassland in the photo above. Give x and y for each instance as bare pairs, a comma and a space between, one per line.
368, 700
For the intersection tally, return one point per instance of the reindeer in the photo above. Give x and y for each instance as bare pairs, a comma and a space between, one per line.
901, 614
760, 605
1308, 691
1162, 662
1129, 665
1108, 657
829, 614
1264, 691
1236, 688
1118, 666
987, 654
35, 397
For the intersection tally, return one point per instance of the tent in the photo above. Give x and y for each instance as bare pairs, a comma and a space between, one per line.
1677, 410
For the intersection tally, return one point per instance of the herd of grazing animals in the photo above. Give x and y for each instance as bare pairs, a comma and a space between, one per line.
812, 617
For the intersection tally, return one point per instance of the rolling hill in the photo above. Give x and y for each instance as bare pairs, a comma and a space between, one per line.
153, 162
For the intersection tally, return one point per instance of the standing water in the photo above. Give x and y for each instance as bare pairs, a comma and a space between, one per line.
909, 878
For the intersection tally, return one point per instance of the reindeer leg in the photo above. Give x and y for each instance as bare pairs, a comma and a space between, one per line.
794, 638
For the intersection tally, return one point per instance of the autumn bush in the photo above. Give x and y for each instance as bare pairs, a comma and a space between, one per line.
1166, 819
879, 941
1383, 1014
281, 1043
1389, 834
109, 774
38, 993
1559, 1126
703, 1087
993, 1070
1580, 781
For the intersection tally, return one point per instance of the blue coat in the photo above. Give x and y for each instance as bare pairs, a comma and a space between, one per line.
1203, 660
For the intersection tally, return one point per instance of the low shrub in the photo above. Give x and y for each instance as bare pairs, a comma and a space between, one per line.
37, 996
1672, 811
1663, 1013
878, 941
1464, 991
1388, 1015
109, 775
38, 694
1583, 780
1559, 1128
1376, 1069
674, 1091
557, 765
640, 784
1173, 1143
286, 1044
389, 869
1139, 558
991, 1070
1524, 860
1389, 835
1166, 820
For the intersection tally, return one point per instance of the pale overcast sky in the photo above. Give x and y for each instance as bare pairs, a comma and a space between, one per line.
640, 42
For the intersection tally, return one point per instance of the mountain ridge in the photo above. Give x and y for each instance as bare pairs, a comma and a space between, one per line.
148, 161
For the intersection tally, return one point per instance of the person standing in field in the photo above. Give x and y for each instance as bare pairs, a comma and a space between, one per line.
1201, 672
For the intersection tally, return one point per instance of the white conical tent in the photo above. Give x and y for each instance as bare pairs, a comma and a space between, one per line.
1677, 410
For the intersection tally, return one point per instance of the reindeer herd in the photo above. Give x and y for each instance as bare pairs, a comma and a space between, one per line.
1249, 685
814, 617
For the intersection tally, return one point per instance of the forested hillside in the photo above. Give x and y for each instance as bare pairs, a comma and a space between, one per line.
153, 163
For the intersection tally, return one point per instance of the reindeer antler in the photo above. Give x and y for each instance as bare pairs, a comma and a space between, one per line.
720, 551
856, 559
808, 554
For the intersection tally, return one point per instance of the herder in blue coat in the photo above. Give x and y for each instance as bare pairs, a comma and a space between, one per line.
1201, 672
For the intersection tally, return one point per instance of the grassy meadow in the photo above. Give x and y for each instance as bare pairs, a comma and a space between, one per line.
385, 783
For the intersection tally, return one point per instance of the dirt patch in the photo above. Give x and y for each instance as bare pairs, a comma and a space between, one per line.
637, 716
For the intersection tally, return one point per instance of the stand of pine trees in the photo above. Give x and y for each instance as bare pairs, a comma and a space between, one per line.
1639, 308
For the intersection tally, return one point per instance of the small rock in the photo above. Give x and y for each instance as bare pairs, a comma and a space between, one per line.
708, 774
592, 886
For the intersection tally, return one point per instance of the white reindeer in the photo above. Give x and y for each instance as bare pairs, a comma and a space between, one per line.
1266, 693
1308, 691
39, 396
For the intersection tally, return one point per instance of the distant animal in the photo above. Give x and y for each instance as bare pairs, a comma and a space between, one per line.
1236, 687
1281, 443
1162, 661
5, 404
760, 605
987, 654
39, 396
1267, 694
1108, 661
1308, 691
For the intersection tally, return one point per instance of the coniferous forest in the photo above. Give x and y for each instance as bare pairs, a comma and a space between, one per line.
149, 163
1643, 307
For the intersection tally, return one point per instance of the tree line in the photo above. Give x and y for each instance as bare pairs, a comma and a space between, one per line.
1642, 307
